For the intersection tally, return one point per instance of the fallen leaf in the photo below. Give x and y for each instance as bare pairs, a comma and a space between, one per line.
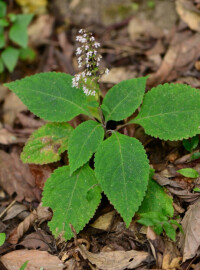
15, 177
15, 210
189, 13
103, 222
139, 27
12, 106
184, 50
40, 30
190, 240
33, 6
40, 215
37, 240
41, 173
7, 137
36, 260
118, 74
115, 260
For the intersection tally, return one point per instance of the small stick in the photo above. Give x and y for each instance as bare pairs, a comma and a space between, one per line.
7, 208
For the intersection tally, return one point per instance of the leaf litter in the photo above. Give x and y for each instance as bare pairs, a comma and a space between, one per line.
165, 46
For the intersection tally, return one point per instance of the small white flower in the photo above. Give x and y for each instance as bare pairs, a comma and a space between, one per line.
107, 71
81, 31
86, 47
92, 39
88, 73
78, 51
97, 45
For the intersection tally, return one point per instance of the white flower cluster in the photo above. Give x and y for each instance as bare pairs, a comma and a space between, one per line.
89, 58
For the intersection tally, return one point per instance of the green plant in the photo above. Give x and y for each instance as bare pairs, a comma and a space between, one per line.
2, 238
23, 267
160, 222
191, 144
121, 167
13, 38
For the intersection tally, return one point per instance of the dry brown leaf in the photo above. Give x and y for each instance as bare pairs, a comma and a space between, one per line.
139, 26
190, 240
115, 260
103, 222
40, 30
37, 240
36, 260
33, 6
118, 74
12, 106
15, 177
15, 210
184, 50
189, 13
40, 215
7, 137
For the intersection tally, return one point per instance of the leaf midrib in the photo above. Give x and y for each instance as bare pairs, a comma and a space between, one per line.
160, 114
123, 173
61, 98
118, 105
87, 140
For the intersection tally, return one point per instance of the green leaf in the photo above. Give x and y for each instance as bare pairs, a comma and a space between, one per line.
156, 200
51, 96
170, 112
10, 56
23, 267
2, 9
4, 22
189, 172
12, 17
169, 229
18, 32
191, 144
67, 196
47, 143
2, 40
196, 189
1, 66
83, 143
27, 54
195, 156
2, 238
123, 99
122, 169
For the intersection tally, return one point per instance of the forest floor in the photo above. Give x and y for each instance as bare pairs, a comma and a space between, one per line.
160, 38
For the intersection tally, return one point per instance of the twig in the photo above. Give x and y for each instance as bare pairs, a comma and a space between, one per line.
7, 208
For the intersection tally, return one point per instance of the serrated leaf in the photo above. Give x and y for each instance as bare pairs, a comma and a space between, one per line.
18, 32
170, 112
10, 56
156, 200
2, 9
189, 172
123, 99
50, 96
122, 169
169, 229
67, 196
47, 143
83, 143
